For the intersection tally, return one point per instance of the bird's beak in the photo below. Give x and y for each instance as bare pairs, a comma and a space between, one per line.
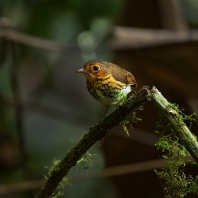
81, 71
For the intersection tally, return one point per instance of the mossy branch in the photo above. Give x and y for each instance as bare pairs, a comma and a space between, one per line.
95, 134
99, 130
173, 116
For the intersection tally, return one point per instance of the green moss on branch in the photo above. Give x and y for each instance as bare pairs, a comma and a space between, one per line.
99, 130
95, 134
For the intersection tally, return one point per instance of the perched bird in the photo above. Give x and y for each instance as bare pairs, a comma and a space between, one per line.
106, 82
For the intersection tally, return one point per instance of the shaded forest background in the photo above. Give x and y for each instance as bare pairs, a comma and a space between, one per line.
45, 107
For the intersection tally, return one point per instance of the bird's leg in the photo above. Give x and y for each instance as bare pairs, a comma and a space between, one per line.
104, 115
106, 111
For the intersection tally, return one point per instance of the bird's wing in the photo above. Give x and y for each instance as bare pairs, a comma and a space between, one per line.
123, 76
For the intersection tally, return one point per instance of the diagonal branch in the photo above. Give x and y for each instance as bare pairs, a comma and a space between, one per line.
98, 132
95, 134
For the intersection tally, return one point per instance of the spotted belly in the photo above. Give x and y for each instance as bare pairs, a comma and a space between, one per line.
108, 94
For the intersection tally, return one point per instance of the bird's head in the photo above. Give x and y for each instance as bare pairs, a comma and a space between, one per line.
94, 69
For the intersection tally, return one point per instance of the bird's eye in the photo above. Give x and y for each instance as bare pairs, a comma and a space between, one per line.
96, 68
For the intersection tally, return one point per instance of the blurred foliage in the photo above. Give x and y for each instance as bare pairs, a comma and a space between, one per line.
41, 74
190, 11
60, 19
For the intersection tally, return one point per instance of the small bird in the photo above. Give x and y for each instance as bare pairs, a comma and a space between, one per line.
106, 82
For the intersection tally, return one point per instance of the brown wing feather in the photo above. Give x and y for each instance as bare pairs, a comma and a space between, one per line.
122, 75
131, 79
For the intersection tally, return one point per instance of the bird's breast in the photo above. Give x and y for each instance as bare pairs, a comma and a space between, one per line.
107, 90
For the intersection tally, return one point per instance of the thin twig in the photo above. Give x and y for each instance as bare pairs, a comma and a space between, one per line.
18, 114
124, 38
12, 35
35, 106
20, 187
18, 109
